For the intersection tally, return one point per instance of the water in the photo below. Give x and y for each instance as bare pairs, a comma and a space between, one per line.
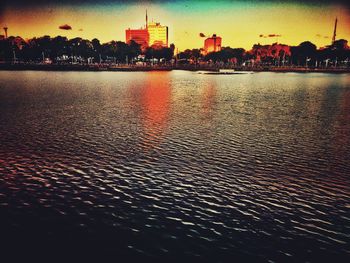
175, 165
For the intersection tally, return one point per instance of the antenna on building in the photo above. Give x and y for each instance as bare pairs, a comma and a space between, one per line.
146, 19
335, 30
5, 29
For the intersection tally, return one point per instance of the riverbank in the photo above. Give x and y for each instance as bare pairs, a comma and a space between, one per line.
108, 67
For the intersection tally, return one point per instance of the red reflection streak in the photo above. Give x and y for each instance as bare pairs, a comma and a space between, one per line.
155, 107
208, 101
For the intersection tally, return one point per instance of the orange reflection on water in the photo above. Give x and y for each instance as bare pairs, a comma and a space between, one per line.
209, 100
155, 101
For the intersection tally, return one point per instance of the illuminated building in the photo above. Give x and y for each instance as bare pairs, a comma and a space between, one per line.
153, 35
140, 36
212, 44
158, 34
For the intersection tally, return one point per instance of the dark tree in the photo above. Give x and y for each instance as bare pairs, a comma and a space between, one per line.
159, 53
302, 54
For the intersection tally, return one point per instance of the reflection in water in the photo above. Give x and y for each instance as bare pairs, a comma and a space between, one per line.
153, 96
156, 104
209, 100
176, 164
341, 140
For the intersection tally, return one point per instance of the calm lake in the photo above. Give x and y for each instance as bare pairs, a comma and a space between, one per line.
175, 165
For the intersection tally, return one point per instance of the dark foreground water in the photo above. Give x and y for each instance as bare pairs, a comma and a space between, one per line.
175, 165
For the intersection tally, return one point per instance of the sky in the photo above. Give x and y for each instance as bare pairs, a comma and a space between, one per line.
239, 23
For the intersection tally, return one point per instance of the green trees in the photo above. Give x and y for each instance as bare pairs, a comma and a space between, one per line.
7, 49
159, 53
59, 46
36, 49
192, 55
275, 54
77, 50
227, 54
336, 54
304, 53
60, 49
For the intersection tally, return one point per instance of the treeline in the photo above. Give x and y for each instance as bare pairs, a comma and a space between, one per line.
226, 54
305, 54
77, 50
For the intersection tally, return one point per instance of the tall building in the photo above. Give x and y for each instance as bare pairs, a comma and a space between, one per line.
140, 36
154, 34
212, 44
158, 34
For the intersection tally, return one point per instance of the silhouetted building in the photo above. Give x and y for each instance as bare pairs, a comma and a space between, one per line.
212, 44
158, 34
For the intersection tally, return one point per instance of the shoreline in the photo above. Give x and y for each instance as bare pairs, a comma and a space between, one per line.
132, 68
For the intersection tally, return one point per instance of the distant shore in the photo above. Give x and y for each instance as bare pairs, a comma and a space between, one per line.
109, 67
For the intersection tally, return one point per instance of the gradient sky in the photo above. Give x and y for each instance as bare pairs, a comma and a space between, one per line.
239, 22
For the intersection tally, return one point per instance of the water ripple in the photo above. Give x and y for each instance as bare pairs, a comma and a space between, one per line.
177, 165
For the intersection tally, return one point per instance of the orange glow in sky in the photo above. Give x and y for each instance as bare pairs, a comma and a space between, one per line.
238, 23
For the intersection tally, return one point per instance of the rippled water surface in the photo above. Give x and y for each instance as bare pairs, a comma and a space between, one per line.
176, 165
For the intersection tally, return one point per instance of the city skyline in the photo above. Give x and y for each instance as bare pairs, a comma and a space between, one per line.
240, 24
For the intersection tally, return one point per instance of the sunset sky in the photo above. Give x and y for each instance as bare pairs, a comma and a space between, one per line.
239, 23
